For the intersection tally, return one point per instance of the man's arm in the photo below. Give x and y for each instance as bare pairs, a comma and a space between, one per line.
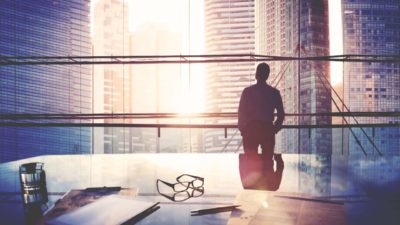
242, 111
280, 113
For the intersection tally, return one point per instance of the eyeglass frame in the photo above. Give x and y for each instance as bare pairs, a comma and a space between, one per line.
172, 185
189, 195
185, 184
191, 182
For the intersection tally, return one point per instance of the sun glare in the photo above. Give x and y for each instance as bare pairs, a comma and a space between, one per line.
335, 39
189, 102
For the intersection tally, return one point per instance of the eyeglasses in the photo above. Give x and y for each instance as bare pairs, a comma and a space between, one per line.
187, 186
177, 187
184, 182
184, 195
193, 181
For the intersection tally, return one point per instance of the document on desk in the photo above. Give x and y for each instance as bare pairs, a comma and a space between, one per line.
252, 202
110, 210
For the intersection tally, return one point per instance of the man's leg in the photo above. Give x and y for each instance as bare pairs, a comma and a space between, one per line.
250, 163
267, 146
251, 138
250, 146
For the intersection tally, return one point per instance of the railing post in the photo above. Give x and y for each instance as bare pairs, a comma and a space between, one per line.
226, 132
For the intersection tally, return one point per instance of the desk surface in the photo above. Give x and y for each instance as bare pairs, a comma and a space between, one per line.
346, 187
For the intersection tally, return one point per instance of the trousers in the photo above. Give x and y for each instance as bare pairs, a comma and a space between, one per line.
259, 133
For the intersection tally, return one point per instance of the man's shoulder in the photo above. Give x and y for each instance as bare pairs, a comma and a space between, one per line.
248, 88
273, 90
257, 87
251, 86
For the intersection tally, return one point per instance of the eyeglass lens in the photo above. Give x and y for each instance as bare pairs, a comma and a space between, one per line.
195, 181
182, 186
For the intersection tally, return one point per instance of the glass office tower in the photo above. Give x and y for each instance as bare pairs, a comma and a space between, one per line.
44, 28
279, 32
372, 28
229, 29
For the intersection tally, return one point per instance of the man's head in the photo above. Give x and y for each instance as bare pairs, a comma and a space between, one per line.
262, 72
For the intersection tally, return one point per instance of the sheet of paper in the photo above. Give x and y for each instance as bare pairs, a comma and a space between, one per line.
109, 210
77, 198
250, 201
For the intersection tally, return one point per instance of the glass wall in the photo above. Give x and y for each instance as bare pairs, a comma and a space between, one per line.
148, 104
44, 28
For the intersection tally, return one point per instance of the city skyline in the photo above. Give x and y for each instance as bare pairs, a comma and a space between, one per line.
140, 99
186, 88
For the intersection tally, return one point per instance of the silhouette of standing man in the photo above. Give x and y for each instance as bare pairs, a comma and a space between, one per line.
256, 116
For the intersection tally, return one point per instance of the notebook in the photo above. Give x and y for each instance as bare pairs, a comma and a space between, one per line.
109, 210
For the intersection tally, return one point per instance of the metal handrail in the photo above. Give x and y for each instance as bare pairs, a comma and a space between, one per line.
177, 125
94, 116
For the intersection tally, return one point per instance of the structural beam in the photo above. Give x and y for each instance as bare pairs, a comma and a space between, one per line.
179, 59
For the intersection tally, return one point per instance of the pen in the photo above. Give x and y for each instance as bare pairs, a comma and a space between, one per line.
143, 214
93, 189
214, 210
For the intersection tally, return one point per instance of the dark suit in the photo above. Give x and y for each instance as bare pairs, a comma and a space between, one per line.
256, 119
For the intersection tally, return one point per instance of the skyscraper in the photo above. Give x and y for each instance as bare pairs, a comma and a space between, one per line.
293, 28
372, 28
44, 28
112, 83
229, 29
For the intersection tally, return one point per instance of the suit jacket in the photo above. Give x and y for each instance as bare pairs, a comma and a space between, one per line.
258, 103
